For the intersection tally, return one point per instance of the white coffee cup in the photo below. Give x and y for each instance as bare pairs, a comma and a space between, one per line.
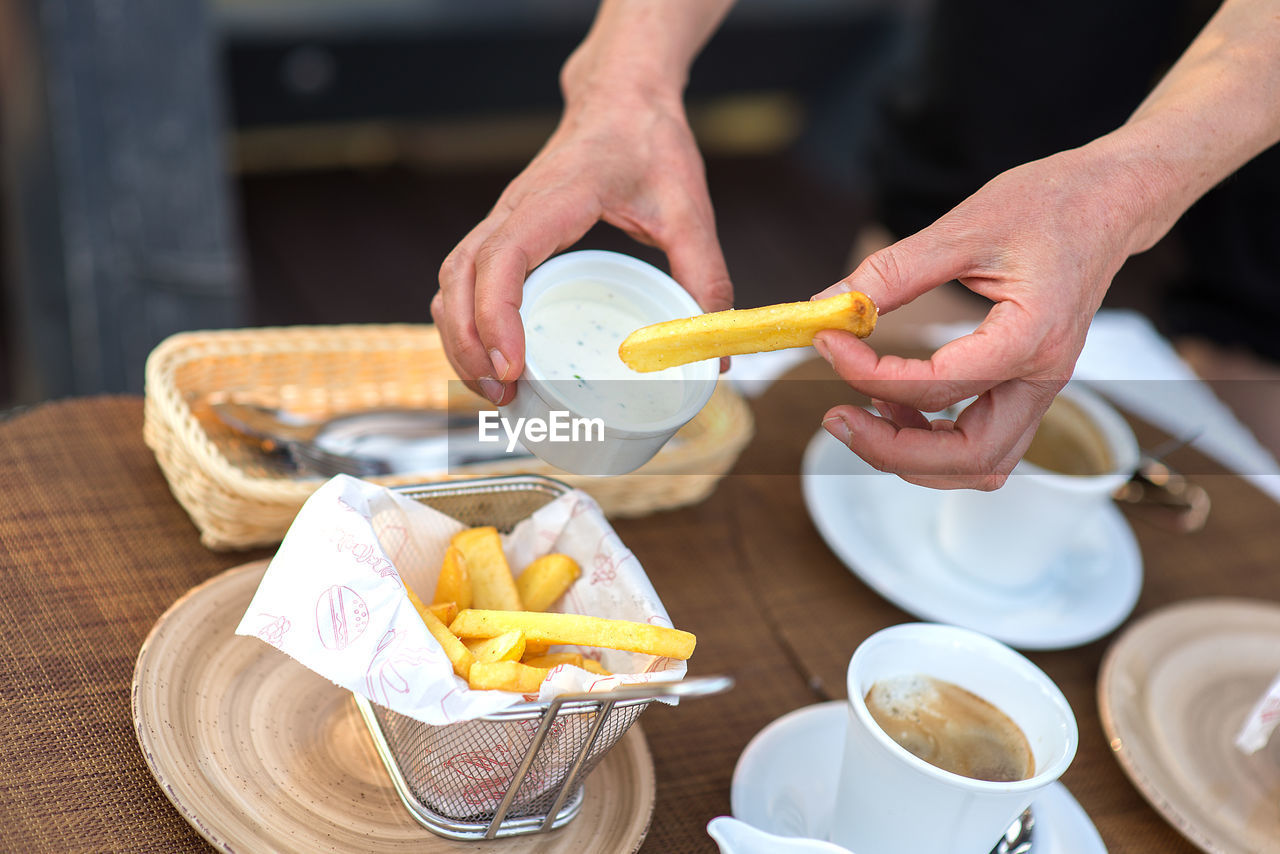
890, 800
1009, 538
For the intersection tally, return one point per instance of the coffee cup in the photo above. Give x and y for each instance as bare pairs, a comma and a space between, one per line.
891, 799
1083, 451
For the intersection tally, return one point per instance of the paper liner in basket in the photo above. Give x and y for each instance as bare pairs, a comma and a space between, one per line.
333, 598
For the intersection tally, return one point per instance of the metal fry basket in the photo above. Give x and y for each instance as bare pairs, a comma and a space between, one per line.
520, 770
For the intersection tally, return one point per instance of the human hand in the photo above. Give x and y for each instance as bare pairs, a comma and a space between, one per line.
1042, 242
631, 163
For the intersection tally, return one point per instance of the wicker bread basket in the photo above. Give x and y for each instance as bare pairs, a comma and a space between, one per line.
238, 499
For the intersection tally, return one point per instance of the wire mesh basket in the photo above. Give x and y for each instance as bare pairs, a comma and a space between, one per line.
520, 770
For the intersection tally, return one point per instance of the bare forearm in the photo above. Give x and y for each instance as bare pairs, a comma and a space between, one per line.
1216, 108
640, 48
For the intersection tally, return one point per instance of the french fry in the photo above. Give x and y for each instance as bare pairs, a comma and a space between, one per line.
444, 611
506, 676
492, 587
545, 580
457, 651
577, 630
592, 666
752, 330
505, 647
454, 584
418, 604
553, 659
532, 648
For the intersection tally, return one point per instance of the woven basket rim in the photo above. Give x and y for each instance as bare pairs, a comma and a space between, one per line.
220, 495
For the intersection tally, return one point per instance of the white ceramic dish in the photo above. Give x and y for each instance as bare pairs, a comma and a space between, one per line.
785, 783
1010, 537
633, 294
1173, 692
884, 530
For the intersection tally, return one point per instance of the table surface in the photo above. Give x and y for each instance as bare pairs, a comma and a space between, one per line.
94, 548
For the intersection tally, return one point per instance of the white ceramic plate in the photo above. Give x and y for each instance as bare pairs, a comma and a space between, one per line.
785, 783
883, 529
1173, 692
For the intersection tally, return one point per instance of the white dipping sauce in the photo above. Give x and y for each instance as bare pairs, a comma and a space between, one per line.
572, 336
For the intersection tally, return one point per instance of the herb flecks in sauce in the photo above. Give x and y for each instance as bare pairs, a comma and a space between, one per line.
573, 337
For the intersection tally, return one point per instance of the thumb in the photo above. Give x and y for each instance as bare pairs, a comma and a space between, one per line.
903, 271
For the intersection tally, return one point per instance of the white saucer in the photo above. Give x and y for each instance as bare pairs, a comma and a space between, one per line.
785, 783
882, 529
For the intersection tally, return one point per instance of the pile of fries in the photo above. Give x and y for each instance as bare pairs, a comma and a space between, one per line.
496, 629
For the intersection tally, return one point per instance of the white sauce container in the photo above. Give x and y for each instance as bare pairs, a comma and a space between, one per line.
577, 308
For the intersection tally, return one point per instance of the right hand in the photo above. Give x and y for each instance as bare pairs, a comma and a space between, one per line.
630, 162
1042, 242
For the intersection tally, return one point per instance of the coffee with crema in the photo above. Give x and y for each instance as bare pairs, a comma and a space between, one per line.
951, 728
1068, 442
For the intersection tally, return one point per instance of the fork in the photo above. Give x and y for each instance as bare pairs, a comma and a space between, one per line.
309, 456
300, 440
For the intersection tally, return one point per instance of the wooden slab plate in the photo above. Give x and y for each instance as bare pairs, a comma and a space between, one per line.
1173, 691
259, 753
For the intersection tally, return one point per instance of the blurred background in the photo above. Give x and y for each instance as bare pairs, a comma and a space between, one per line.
193, 164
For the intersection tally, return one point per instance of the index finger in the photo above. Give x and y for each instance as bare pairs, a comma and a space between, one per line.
453, 309
529, 235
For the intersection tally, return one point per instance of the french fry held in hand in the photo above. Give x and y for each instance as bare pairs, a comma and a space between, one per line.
576, 630
751, 330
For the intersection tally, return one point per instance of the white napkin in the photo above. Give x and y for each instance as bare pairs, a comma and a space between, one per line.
334, 599
1262, 721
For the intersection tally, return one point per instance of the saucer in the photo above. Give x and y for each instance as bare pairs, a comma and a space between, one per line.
883, 529
1173, 691
785, 783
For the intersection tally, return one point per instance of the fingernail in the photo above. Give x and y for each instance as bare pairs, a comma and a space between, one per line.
838, 427
821, 347
491, 389
500, 364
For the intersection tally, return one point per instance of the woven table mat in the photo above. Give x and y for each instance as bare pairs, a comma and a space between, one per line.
93, 549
